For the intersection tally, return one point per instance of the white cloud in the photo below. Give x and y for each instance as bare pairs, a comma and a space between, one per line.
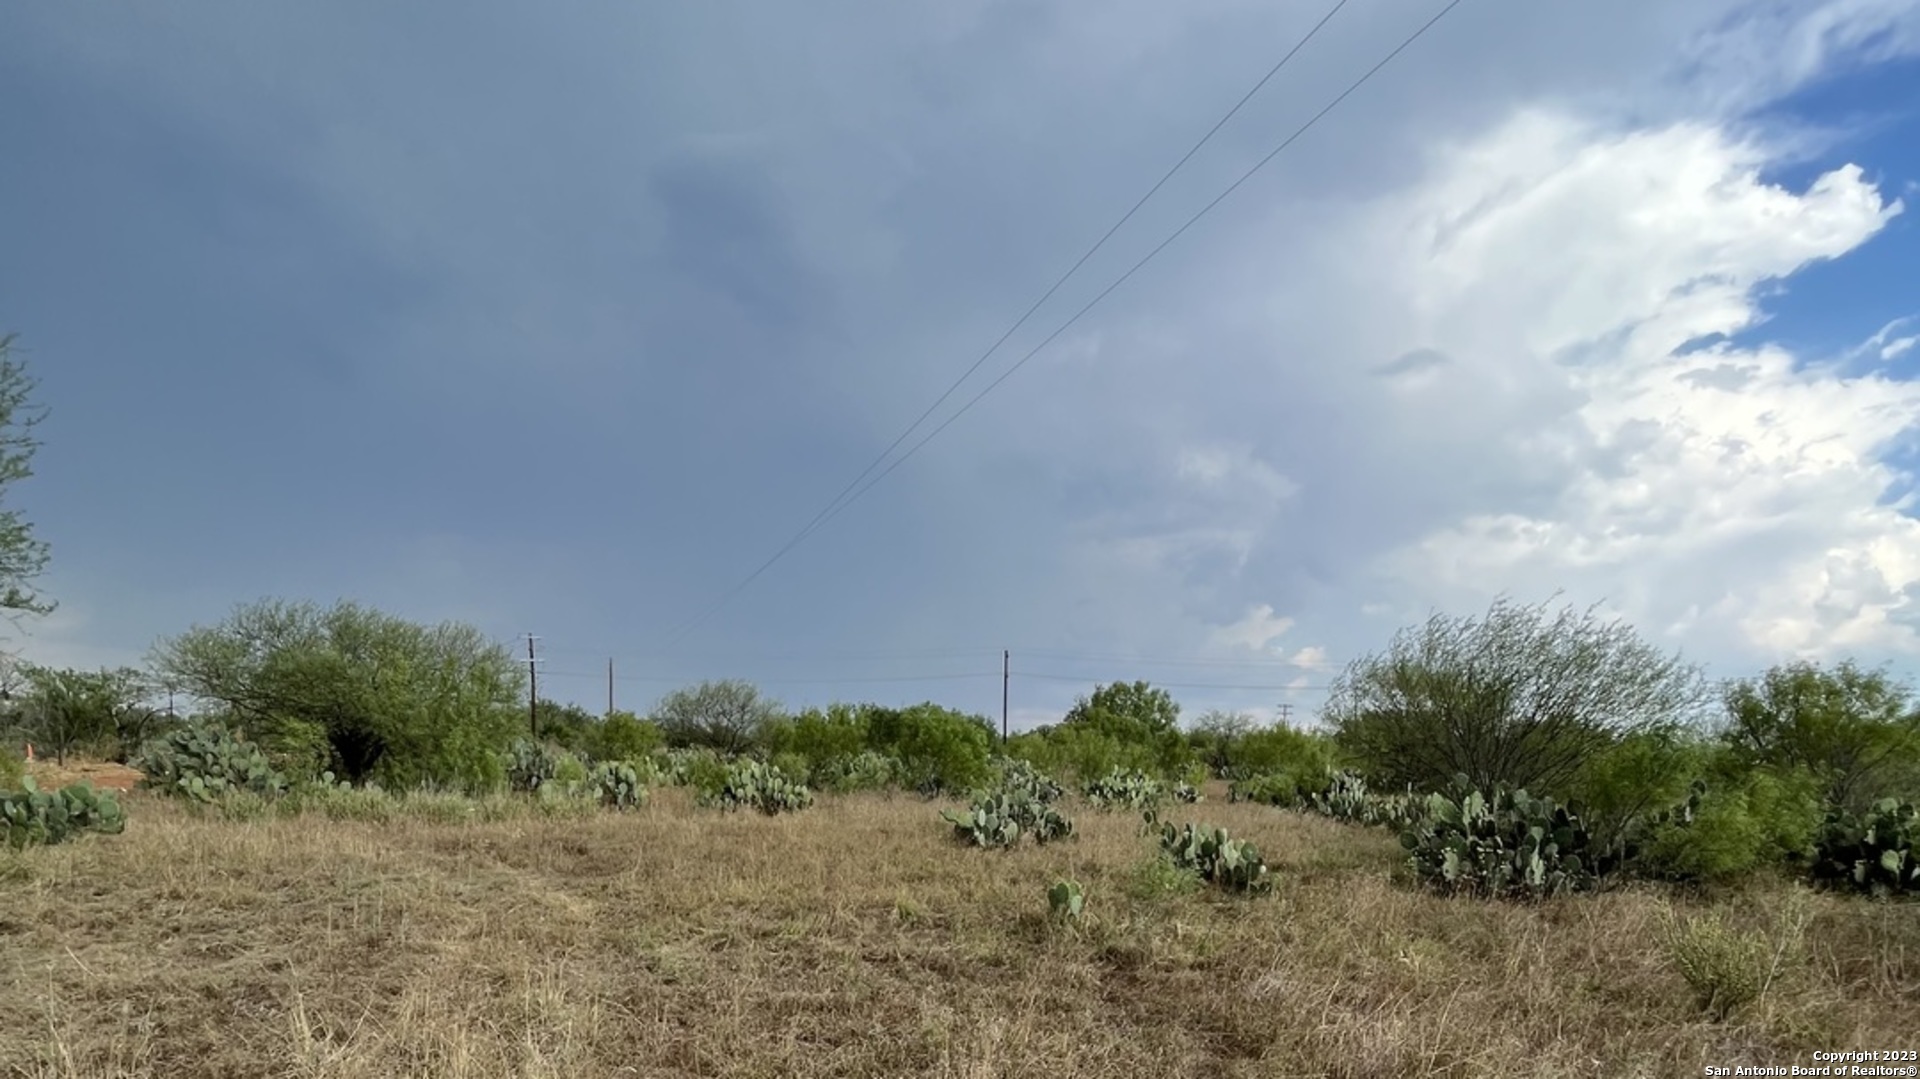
1312, 657
1235, 471
1743, 479
1256, 631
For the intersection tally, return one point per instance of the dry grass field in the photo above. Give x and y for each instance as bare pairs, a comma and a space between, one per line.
856, 939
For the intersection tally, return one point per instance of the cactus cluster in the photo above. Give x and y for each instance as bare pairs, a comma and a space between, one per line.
761, 786
1021, 777
1344, 796
1186, 793
618, 784
1133, 791
999, 818
700, 768
1504, 845
867, 770
1281, 789
204, 761
530, 764
32, 816
1874, 852
1232, 864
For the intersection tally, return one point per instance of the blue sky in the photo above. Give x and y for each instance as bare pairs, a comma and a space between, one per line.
564, 321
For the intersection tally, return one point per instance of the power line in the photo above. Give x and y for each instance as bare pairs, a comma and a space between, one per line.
1173, 685
597, 675
1062, 655
1154, 661
1164, 244
829, 510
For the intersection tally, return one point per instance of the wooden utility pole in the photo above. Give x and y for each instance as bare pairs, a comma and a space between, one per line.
609, 687
533, 690
1286, 712
1006, 661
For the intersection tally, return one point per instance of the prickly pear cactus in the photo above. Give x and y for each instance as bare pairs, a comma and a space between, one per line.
31, 816
1872, 853
618, 785
864, 771
1509, 844
1000, 818
758, 785
530, 765
1232, 864
1017, 776
204, 761
1066, 900
1133, 791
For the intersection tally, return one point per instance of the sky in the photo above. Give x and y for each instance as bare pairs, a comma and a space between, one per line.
563, 320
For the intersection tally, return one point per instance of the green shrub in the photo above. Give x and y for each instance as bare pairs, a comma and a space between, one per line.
1157, 877
1232, 864
1279, 750
1622, 788
623, 736
203, 761
1282, 789
1726, 968
792, 764
12, 769
697, 767
939, 750
1872, 852
570, 772
30, 816
862, 771
1725, 832
1509, 844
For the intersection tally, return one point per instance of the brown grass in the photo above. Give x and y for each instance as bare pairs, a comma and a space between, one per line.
857, 940
98, 774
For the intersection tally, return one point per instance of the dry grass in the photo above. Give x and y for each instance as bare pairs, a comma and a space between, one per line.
856, 939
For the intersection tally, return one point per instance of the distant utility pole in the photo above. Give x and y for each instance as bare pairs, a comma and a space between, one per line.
1006, 675
609, 687
1286, 712
533, 690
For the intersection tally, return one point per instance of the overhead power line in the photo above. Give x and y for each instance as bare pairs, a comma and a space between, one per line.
848, 493
1174, 685
957, 677
1164, 244
788, 681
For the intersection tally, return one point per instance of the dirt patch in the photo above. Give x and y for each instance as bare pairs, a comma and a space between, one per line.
101, 775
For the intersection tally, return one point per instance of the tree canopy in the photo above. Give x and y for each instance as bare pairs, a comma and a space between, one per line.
1514, 698
1855, 730
349, 688
727, 716
22, 555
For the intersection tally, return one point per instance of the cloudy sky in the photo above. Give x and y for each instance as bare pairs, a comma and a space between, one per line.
564, 320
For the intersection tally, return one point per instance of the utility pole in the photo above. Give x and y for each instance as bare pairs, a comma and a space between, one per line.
1006, 675
609, 687
533, 690
1286, 712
